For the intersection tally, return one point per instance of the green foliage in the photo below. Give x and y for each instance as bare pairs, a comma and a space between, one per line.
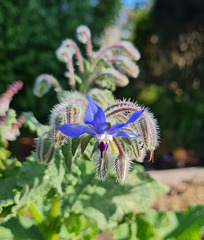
153, 225
87, 205
31, 31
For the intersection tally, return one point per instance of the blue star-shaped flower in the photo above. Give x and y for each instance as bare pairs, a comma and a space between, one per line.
95, 124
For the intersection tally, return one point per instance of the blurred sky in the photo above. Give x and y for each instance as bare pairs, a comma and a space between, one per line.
132, 3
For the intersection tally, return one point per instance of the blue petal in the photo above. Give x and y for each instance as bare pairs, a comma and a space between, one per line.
134, 116
127, 134
73, 130
95, 117
115, 128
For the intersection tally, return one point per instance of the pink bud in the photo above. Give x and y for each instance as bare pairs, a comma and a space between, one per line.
8, 95
4, 105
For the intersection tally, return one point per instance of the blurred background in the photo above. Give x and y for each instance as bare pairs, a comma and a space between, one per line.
168, 34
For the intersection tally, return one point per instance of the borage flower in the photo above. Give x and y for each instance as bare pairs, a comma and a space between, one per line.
95, 124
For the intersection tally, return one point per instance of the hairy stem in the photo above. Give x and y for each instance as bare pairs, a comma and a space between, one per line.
56, 85
122, 109
79, 57
102, 51
118, 146
71, 70
88, 45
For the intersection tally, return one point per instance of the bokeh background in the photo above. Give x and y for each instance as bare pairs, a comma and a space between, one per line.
168, 34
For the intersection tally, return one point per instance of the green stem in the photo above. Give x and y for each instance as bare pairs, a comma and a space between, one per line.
54, 213
39, 220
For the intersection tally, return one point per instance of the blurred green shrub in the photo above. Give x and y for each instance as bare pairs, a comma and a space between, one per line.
31, 31
170, 37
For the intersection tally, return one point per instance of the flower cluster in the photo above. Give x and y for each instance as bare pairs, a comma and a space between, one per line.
122, 132
106, 68
6, 97
117, 131
8, 123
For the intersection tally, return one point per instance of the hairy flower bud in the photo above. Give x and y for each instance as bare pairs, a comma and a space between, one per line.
130, 50
146, 126
64, 113
84, 36
63, 51
102, 97
43, 84
121, 167
102, 167
83, 33
117, 77
149, 129
57, 137
44, 148
127, 66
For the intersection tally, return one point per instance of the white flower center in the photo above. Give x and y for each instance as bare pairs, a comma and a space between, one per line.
104, 138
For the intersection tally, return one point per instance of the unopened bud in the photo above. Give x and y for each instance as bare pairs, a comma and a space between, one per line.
127, 66
83, 33
140, 151
130, 50
75, 113
121, 167
42, 85
102, 97
149, 128
102, 167
118, 78
62, 52
57, 136
44, 148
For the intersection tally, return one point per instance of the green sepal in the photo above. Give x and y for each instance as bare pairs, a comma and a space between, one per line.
66, 151
85, 139
75, 144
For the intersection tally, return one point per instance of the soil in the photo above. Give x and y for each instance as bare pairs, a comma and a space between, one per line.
181, 196
186, 188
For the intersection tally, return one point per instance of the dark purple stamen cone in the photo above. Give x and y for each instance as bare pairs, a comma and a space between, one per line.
102, 147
